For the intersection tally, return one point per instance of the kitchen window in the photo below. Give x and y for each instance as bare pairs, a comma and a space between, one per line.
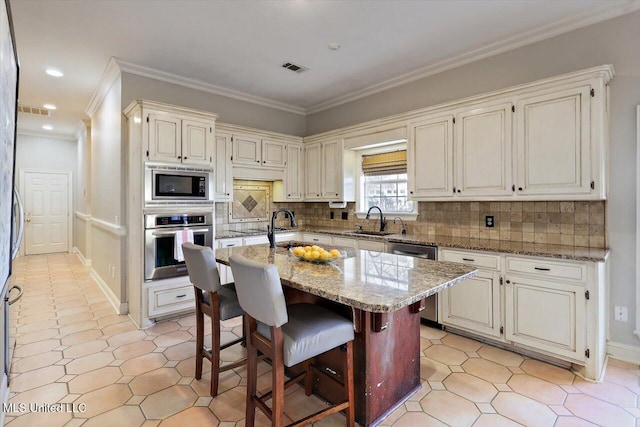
383, 183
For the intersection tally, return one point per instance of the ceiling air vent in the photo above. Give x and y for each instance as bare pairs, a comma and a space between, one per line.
34, 110
294, 67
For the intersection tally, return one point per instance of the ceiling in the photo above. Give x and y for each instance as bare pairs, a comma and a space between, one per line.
238, 47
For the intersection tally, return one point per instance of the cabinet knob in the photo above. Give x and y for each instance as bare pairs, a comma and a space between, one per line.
288, 195
519, 188
410, 192
179, 157
185, 158
508, 281
459, 191
317, 195
257, 161
264, 161
227, 194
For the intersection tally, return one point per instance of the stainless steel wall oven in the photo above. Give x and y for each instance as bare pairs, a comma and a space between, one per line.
160, 234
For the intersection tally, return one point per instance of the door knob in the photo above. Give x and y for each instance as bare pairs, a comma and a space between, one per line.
28, 219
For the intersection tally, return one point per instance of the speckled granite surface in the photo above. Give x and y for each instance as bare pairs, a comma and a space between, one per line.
502, 246
370, 281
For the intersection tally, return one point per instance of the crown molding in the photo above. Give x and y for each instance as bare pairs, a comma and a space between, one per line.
47, 135
603, 13
140, 70
109, 76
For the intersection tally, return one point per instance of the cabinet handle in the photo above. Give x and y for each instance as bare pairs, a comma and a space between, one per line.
181, 296
513, 187
542, 269
230, 245
454, 190
519, 188
468, 259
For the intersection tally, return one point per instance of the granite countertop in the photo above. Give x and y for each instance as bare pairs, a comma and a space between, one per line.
502, 246
366, 280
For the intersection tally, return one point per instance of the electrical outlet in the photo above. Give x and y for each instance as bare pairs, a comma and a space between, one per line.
345, 215
620, 313
332, 215
488, 221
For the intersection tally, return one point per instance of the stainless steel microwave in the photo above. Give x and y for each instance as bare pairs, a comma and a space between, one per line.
177, 185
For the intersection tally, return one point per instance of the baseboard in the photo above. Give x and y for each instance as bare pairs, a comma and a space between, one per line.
83, 260
120, 307
624, 352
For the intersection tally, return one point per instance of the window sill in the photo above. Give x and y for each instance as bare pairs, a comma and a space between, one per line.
405, 216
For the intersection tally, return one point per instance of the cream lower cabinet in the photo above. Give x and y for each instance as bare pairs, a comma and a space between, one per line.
474, 304
224, 270
544, 305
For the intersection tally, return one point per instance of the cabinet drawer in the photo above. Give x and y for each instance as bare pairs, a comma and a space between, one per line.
347, 242
166, 301
257, 240
560, 270
473, 258
317, 238
229, 243
371, 245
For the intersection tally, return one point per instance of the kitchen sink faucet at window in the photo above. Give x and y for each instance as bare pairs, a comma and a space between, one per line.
383, 221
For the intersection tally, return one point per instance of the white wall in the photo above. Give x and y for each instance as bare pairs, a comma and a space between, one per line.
82, 191
44, 153
609, 42
230, 110
107, 193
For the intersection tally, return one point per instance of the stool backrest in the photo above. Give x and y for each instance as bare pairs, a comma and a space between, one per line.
259, 290
201, 266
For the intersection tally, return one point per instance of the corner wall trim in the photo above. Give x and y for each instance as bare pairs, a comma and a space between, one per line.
83, 260
624, 352
109, 76
120, 307
118, 230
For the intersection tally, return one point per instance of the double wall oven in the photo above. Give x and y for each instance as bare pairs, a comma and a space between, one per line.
160, 240
177, 198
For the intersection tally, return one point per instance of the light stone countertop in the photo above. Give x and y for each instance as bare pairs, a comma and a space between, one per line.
366, 280
575, 253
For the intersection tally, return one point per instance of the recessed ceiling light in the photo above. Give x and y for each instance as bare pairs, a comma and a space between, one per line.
333, 46
47, 127
49, 106
55, 73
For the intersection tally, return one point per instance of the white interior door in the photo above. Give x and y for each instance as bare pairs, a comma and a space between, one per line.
46, 205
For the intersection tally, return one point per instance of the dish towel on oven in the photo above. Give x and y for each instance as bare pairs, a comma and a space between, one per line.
182, 236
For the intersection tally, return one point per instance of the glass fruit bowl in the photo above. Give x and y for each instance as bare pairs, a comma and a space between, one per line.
320, 257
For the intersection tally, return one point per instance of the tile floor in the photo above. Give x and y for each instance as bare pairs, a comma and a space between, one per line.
71, 348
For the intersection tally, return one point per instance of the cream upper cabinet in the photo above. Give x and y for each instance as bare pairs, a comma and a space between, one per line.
223, 169
294, 172
554, 137
313, 171
332, 170
196, 142
247, 150
430, 154
483, 151
274, 153
180, 139
329, 171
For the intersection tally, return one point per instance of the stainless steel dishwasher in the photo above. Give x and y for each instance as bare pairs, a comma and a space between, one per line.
430, 313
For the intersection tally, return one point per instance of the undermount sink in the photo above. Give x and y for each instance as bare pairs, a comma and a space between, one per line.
370, 233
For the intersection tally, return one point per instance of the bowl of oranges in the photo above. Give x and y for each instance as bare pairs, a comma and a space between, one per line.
316, 254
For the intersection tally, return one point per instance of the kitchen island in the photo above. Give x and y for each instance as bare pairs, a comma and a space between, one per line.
383, 294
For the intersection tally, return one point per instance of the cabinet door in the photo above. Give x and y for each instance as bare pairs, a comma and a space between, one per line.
246, 150
197, 142
332, 170
294, 178
553, 137
474, 304
273, 154
346, 242
371, 245
165, 138
313, 171
223, 169
224, 270
430, 157
483, 151
547, 316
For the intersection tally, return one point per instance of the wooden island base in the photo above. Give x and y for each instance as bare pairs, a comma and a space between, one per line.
386, 358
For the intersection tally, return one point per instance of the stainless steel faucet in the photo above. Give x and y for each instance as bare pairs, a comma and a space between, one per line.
383, 221
271, 229
404, 229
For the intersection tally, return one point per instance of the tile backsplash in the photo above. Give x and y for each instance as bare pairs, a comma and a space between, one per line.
563, 223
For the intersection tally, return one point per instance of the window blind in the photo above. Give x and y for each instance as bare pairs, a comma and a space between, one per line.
391, 163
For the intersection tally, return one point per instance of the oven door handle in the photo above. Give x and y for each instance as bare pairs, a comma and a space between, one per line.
173, 233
